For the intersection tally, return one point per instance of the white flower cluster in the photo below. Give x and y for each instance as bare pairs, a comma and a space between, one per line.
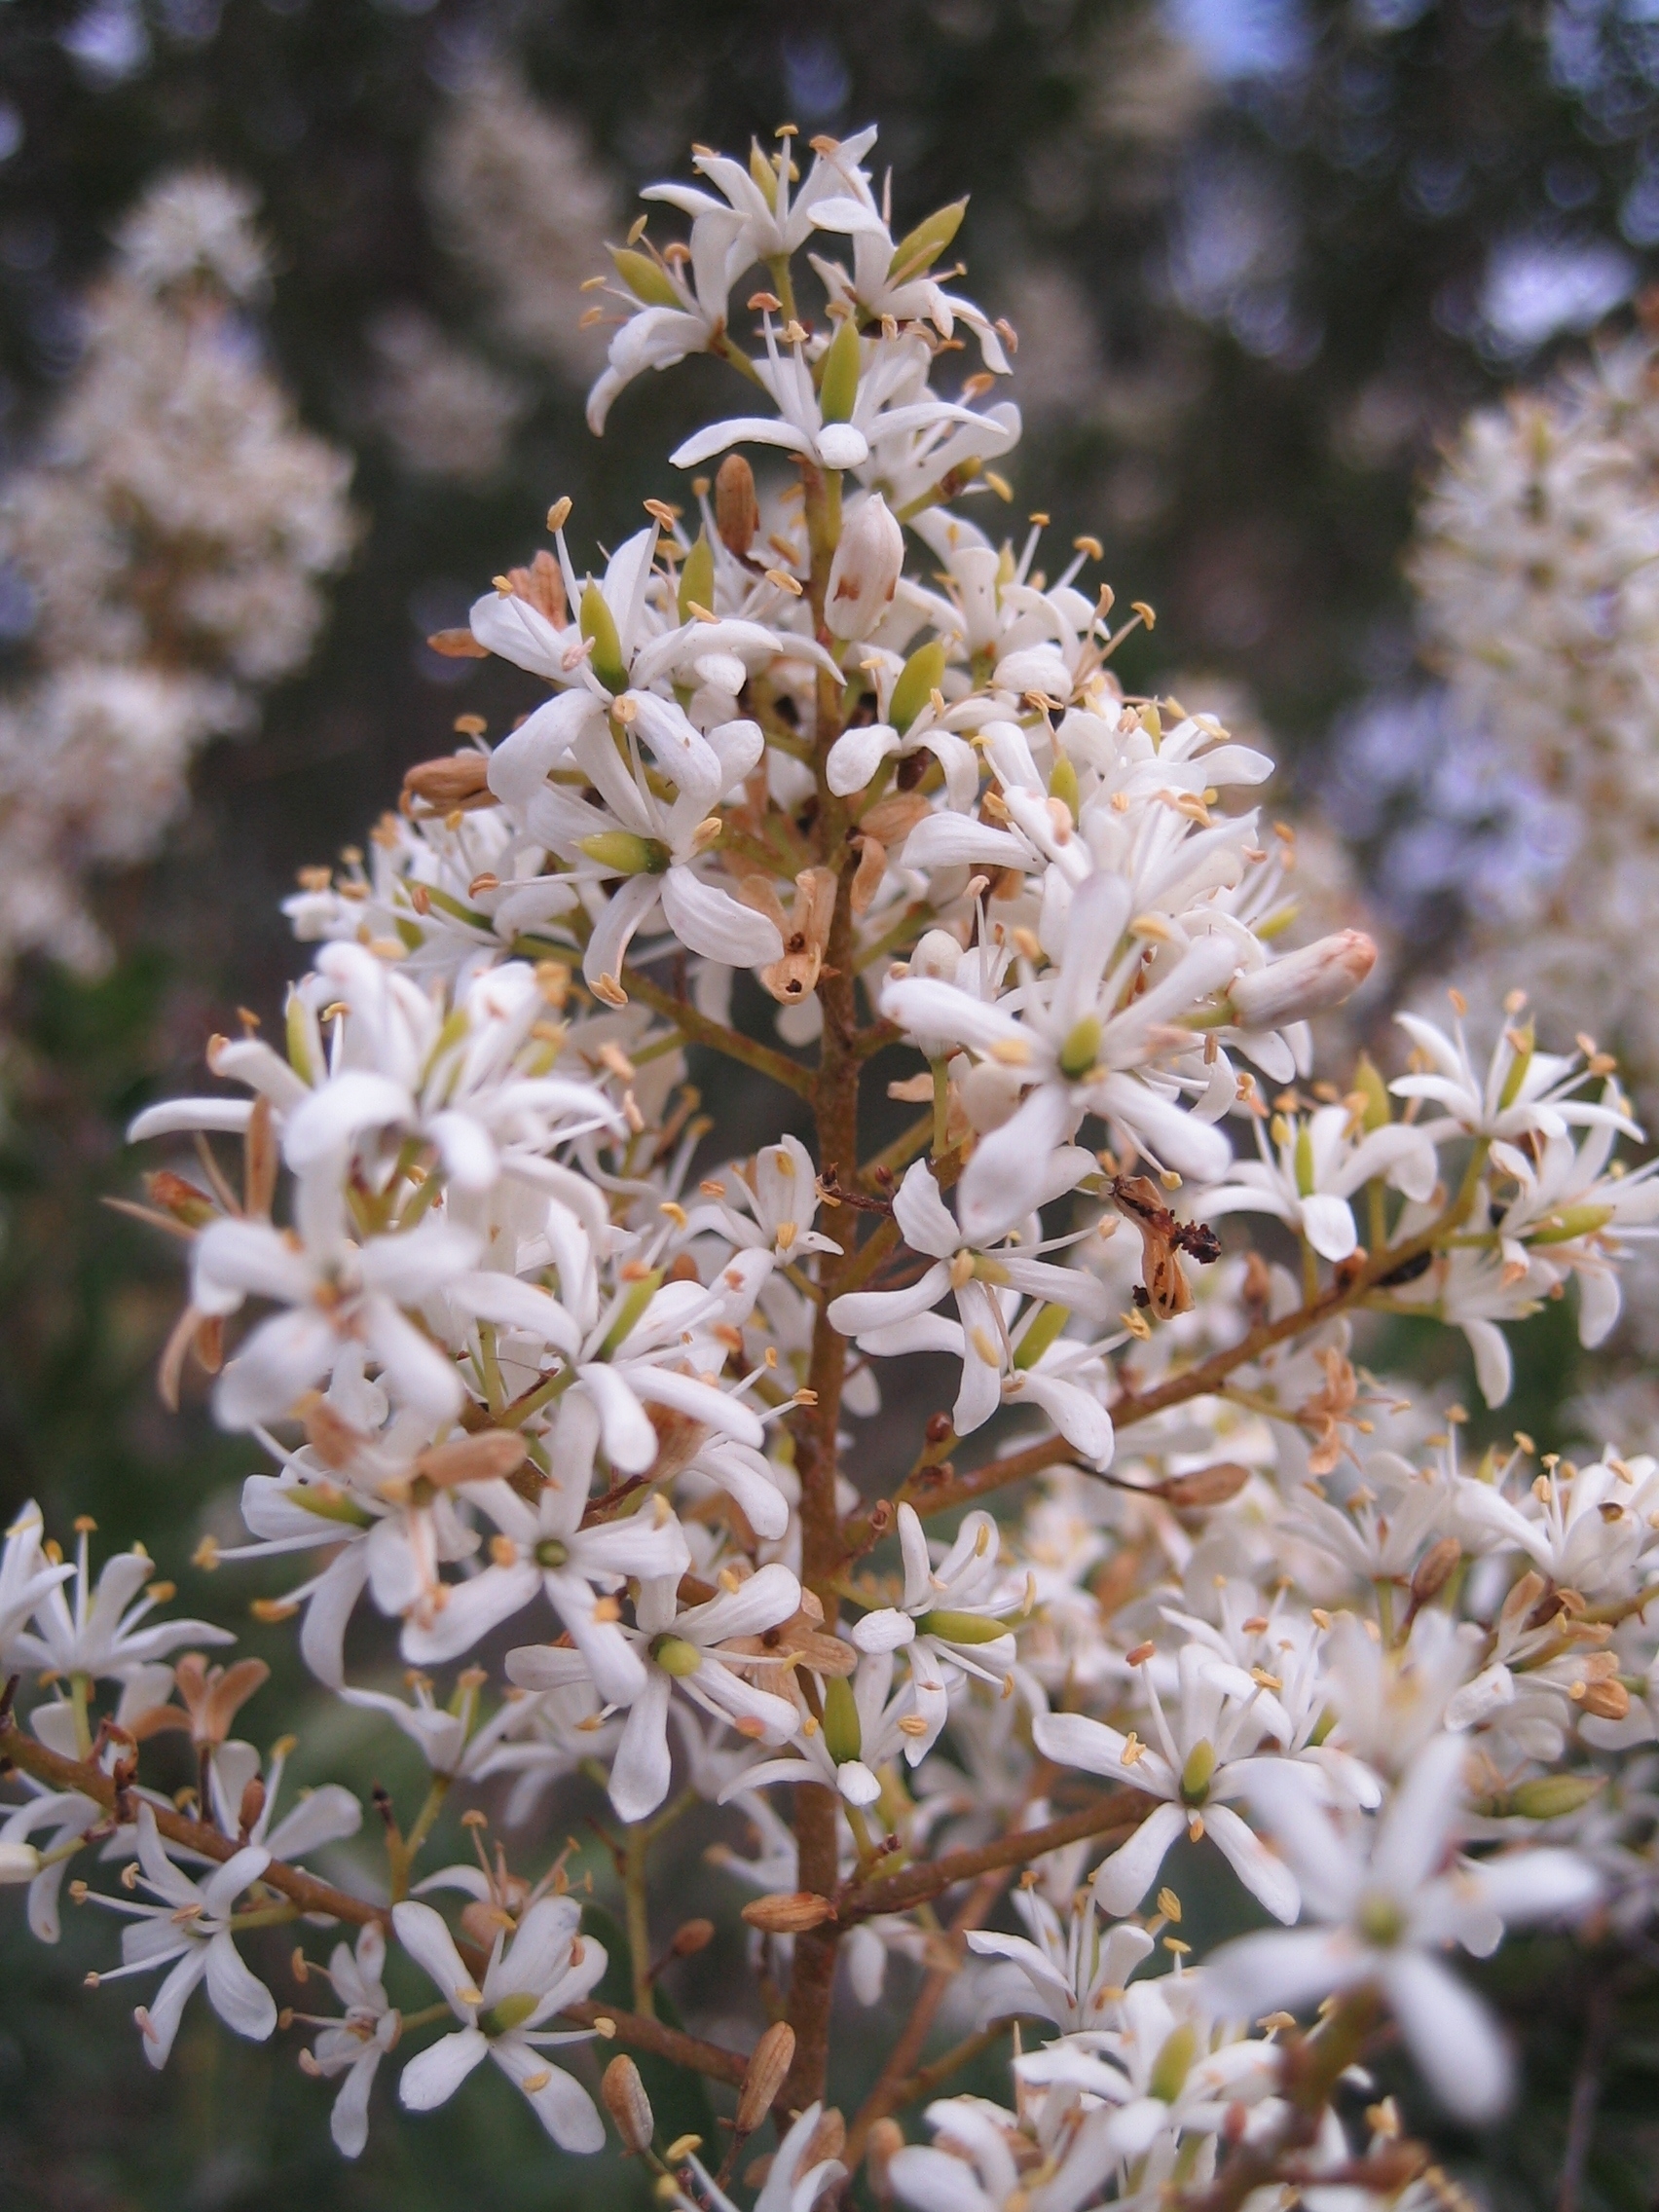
555, 1396
1539, 597
172, 538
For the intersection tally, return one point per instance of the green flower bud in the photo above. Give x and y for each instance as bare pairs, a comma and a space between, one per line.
1040, 1335
299, 1039
1173, 2063
676, 1657
1082, 1044
919, 678
838, 379
1305, 1160
1552, 1796
639, 1295
1568, 1222
330, 1503
1517, 1075
961, 1628
1368, 1081
511, 2013
621, 852
1196, 1773
599, 625
921, 248
1063, 786
697, 578
843, 1739
644, 277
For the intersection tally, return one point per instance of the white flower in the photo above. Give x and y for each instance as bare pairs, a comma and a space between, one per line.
1076, 1970
26, 1574
1077, 1046
193, 1925
878, 410
791, 2184
544, 1548
356, 2043
547, 1966
1386, 1911
778, 1209
1523, 1090
862, 1730
336, 1291
979, 1278
952, 1621
700, 1651
1315, 1165
1205, 1760
865, 572
100, 1634
979, 2171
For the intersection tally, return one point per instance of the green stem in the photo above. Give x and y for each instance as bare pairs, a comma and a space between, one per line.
79, 1693
638, 1917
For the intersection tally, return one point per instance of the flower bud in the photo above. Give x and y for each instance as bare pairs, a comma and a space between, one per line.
936, 956
1303, 982
1607, 1701
882, 2144
690, 1937
599, 627
1207, 1486
920, 677
697, 579
1368, 1084
838, 378
1434, 1569
961, 1628
448, 782
622, 852
1552, 1796
627, 2103
737, 511
768, 2069
789, 1912
865, 572
843, 1736
18, 1862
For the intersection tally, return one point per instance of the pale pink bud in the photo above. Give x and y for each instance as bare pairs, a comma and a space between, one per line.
865, 572
1303, 982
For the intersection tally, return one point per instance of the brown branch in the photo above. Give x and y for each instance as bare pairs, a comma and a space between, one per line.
891, 2085
1120, 1813
90, 1781
927, 2079
311, 1895
698, 1029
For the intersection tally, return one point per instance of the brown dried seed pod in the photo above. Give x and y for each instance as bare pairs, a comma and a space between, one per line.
627, 2103
788, 1913
769, 2064
450, 781
737, 511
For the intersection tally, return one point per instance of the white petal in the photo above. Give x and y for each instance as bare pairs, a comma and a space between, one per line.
424, 1936
434, 2077
1451, 2035
711, 921
238, 1997
561, 2104
1130, 1871
1268, 1878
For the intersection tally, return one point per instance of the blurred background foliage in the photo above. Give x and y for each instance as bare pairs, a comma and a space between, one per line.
1261, 255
